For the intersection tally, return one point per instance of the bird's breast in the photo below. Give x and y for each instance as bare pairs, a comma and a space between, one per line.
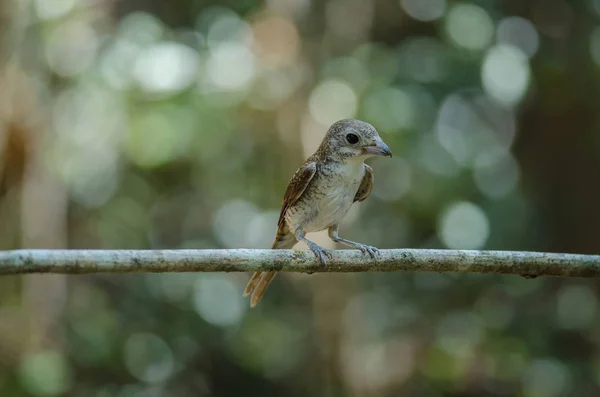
328, 200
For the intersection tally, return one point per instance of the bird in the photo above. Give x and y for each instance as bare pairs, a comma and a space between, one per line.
321, 192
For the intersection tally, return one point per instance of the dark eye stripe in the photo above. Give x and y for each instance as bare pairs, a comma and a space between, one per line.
352, 138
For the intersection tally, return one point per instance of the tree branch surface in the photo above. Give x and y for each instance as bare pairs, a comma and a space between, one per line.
529, 264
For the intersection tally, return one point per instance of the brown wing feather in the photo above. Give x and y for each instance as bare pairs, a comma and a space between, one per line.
296, 187
364, 190
285, 239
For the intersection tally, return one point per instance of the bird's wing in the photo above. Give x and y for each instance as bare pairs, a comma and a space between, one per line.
364, 190
295, 188
284, 239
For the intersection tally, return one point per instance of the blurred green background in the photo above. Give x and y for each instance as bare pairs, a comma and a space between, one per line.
177, 124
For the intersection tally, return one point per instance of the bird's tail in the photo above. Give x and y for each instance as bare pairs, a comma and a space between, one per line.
260, 280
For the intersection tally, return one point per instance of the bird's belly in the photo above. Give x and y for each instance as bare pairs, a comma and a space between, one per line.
329, 210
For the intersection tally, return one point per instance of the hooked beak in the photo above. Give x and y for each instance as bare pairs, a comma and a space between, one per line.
379, 148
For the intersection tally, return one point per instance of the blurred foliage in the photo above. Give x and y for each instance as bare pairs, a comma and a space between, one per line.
176, 124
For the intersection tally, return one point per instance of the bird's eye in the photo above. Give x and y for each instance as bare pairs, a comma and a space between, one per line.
352, 138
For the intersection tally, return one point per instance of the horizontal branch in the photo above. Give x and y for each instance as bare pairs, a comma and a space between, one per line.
529, 264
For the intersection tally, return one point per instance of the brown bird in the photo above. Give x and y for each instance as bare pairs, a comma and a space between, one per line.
322, 191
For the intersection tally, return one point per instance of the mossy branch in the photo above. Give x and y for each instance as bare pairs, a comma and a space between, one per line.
529, 264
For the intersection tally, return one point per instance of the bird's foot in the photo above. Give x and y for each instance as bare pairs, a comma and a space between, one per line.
321, 253
367, 249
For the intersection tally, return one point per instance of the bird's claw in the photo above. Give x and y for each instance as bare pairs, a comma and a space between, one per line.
367, 249
321, 254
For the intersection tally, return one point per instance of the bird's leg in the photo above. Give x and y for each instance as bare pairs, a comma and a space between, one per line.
319, 251
366, 249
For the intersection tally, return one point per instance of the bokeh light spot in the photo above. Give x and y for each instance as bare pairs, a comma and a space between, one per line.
546, 378
218, 300
577, 307
277, 40
519, 32
595, 45
166, 68
226, 27
595, 5
469, 26
424, 59
463, 225
259, 231
274, 86
71, 48
152, 140
496, 178
331, 101
115, 65
435, 159
505, 74
471, 127
91, 175
141, 28
45, 374
87, 161
227, 220
148, 358
391, 109
424, 10
53, 9
231, 67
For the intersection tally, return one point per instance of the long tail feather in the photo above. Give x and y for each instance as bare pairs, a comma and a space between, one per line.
261, 287
252, 283
258, 283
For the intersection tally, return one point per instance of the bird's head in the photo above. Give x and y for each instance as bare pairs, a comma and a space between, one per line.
353, 139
